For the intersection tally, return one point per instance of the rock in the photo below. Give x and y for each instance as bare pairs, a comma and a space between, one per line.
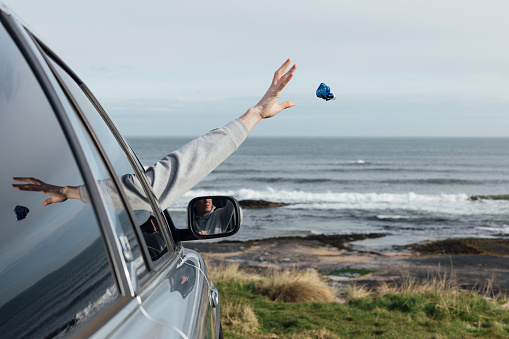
490, 197
472, 246
260, 204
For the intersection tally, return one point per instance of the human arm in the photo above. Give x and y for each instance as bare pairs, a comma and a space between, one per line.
195, 160
56, 193
225, 216
179, 171
170, 177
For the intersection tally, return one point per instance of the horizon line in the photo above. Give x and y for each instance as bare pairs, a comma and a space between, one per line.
330, 137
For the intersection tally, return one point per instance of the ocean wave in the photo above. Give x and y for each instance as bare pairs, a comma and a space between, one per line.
443, 203
88, 312
412, 218
418, 182
440, 181
497, 231
395, 217
389, 169
294, 180
107, 298
358, 162
298, 196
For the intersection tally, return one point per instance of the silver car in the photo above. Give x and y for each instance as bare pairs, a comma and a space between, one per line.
100, 268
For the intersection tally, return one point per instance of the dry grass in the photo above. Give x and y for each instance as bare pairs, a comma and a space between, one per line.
289, 285
438, 281
448, 294
295, 286
240, 317
352, 292
230, 273
322, 333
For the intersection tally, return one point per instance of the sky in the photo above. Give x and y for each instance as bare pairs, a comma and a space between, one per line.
434, 68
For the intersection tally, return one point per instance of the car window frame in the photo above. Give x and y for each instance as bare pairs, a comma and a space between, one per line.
128, 152
102, 154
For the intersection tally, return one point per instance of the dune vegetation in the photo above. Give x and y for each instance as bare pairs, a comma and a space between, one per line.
303, 304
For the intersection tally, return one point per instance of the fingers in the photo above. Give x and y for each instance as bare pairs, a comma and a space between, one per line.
27, 187
285, 79
33, 184
287, 104
27, 179
280, 71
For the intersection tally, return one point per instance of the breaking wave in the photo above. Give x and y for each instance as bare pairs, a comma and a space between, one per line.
443, 203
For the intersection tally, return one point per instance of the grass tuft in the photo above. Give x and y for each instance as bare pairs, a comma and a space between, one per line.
354, 292
230, 273
295, 286
321, 333
239, 317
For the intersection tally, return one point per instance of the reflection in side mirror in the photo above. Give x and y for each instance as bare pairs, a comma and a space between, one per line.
213, 216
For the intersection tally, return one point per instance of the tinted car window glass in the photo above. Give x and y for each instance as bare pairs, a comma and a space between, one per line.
54, 270
134, 191
118, 216
114, 205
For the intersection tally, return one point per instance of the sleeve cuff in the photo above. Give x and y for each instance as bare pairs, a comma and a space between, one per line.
82, 191
237, 131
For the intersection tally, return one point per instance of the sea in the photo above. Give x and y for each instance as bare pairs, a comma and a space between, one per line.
409, 189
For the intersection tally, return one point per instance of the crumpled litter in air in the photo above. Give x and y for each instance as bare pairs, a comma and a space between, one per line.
324, 92
21, 212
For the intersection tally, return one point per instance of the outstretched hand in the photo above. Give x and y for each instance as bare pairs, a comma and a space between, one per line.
268, 106
57, 193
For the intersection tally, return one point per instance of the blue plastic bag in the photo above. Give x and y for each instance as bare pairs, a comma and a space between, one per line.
324, 92
21, 212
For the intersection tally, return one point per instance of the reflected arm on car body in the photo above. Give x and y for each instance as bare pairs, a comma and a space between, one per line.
177, 179
57, 193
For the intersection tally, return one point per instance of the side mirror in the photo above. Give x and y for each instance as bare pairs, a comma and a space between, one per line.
211, 217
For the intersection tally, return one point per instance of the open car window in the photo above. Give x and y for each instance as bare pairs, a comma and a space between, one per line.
149, 230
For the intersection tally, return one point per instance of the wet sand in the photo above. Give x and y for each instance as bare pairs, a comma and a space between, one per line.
474, 263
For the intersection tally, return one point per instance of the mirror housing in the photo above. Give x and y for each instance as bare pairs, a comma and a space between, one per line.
210, 217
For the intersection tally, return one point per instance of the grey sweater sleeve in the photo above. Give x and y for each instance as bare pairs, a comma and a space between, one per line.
180, 170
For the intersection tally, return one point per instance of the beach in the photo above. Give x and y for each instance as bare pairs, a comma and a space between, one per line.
454, 259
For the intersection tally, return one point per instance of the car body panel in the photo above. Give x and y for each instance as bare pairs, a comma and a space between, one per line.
170, 306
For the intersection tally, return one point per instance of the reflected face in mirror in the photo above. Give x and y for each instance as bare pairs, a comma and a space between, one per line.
203, 207
212, 215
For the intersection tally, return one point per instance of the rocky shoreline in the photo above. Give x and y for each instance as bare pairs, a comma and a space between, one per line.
471, 262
